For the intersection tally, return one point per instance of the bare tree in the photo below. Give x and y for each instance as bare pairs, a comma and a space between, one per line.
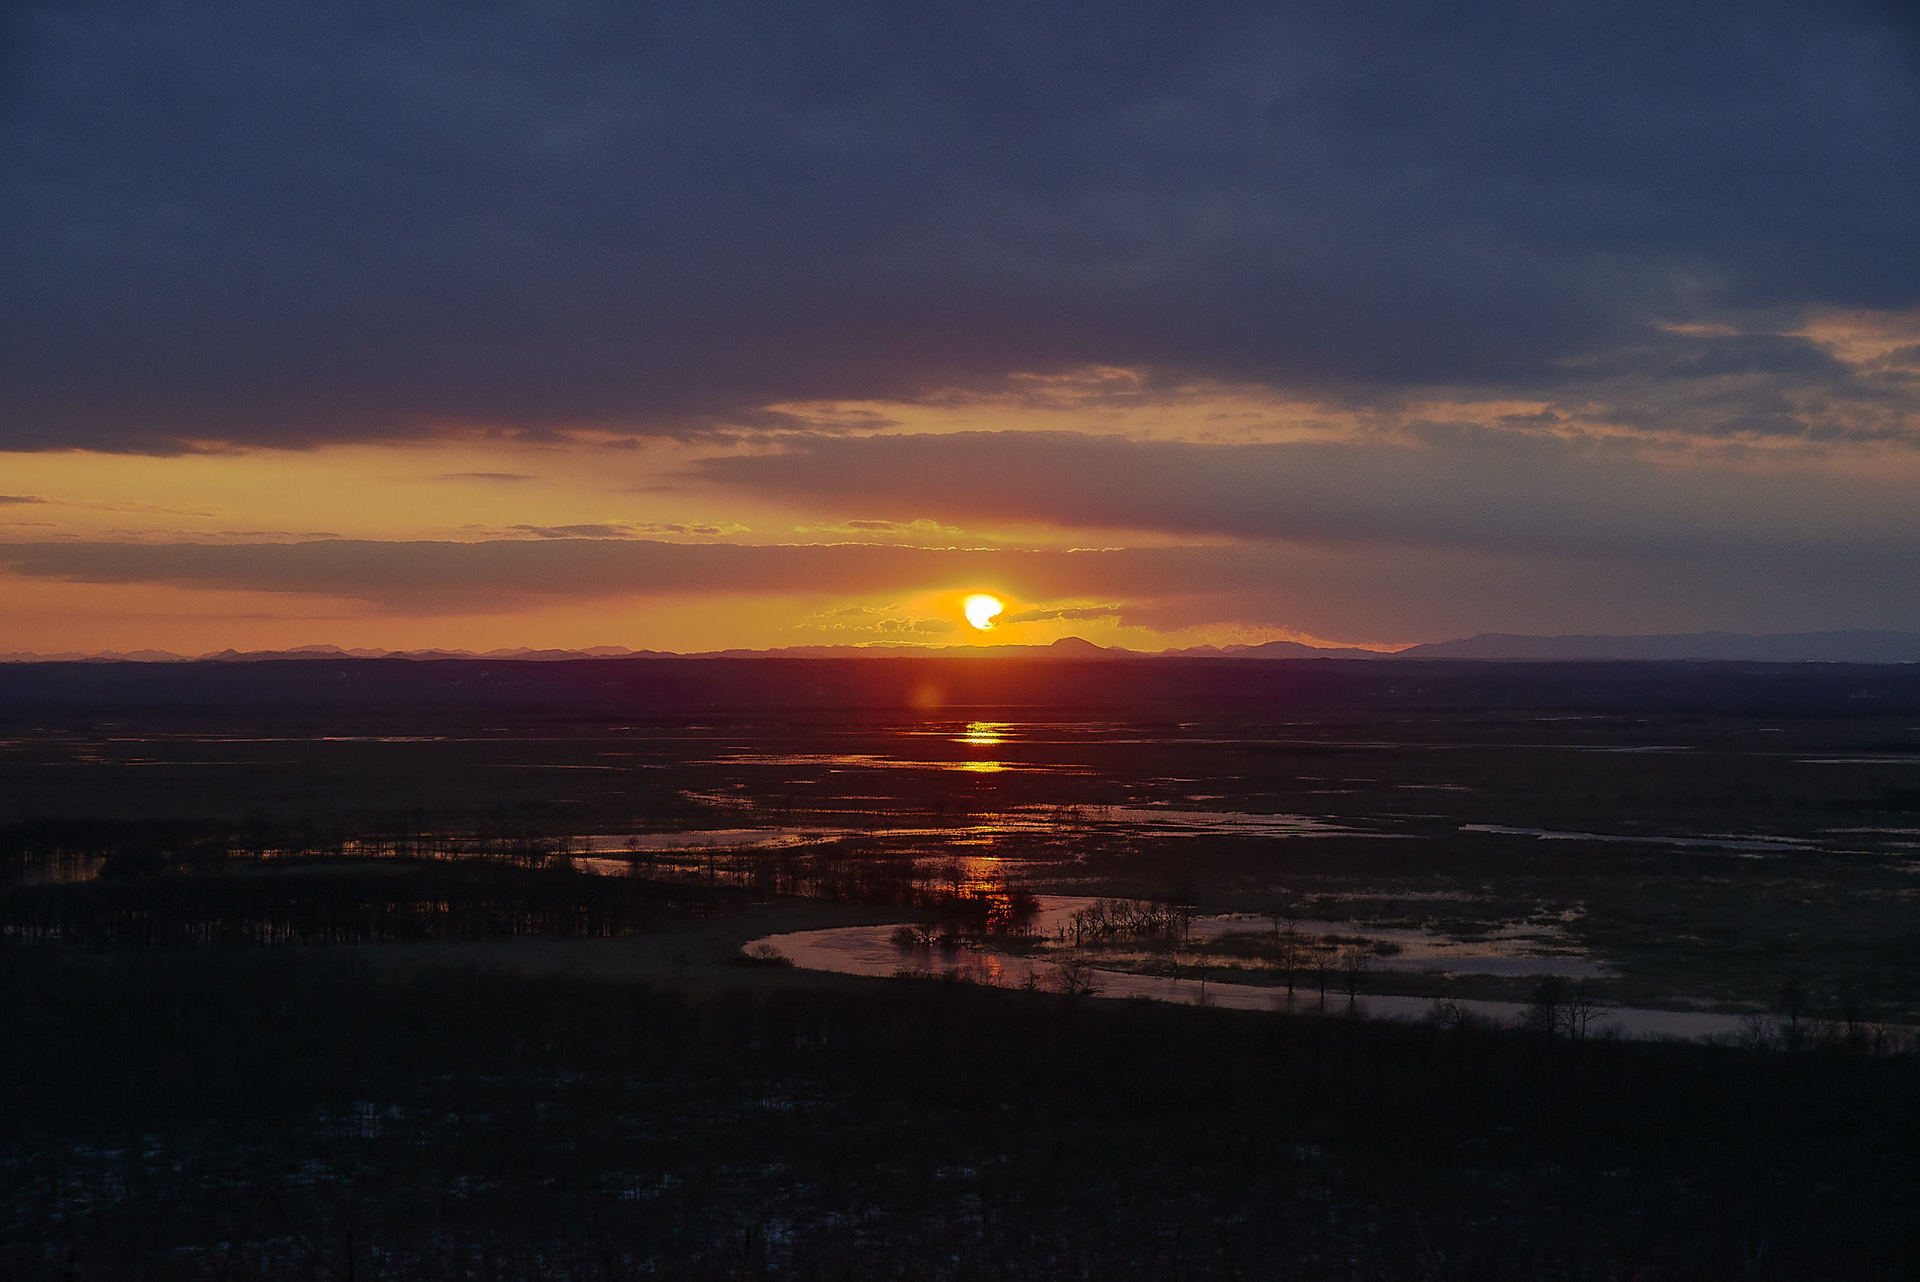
1323, 952
1561, 1009
1354, 959
638, 858
1578, 1009
1791, 1002
1075, 977
1545, 1006
1290, 950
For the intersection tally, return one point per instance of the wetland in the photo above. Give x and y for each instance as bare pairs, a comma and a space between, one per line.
635, 903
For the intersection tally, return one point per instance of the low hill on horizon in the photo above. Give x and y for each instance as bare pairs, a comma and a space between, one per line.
1849, 646
1855, 646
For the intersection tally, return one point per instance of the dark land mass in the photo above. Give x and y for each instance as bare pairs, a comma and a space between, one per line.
210, 1114
636, 687
388, 968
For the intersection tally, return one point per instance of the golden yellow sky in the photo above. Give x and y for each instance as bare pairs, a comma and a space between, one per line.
479, 492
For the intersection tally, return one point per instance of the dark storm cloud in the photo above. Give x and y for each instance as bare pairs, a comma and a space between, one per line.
287, 223
1745, 385
502, 573
1455, 485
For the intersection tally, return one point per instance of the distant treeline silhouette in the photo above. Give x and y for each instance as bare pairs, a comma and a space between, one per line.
404, 690
323, 902
195, 883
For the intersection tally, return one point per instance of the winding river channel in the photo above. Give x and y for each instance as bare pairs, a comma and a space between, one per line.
870, 951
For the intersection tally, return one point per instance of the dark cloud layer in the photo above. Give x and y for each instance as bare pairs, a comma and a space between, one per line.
1377, 592
1461, 486
505, 572
286, 223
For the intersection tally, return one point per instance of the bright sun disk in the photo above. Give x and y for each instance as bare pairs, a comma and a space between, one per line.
981, 610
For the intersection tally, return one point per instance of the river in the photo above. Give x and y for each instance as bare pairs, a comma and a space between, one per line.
870, 951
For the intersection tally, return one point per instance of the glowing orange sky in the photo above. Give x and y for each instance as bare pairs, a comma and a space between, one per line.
1388, 518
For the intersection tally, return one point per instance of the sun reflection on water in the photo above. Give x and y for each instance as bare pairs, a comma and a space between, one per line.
986, 734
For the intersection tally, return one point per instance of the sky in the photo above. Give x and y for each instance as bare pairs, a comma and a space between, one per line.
707, 325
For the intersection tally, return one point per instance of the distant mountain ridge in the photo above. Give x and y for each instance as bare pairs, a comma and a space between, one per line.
1277, 650
1784, 647
1855, 646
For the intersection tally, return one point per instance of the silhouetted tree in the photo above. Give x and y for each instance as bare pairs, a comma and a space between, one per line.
1289, 950
1075, 977
1578, 1011
1354, 959
1323, 953
1546, 1005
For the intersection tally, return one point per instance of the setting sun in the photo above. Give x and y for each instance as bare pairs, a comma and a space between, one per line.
981, 610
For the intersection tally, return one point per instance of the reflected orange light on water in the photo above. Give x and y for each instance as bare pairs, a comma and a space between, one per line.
986, 734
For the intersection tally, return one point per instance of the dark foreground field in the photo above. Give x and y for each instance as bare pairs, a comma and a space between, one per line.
388, 970
221, 1114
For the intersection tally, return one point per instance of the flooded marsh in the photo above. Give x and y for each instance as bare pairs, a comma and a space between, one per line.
1678, 860
832, 993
